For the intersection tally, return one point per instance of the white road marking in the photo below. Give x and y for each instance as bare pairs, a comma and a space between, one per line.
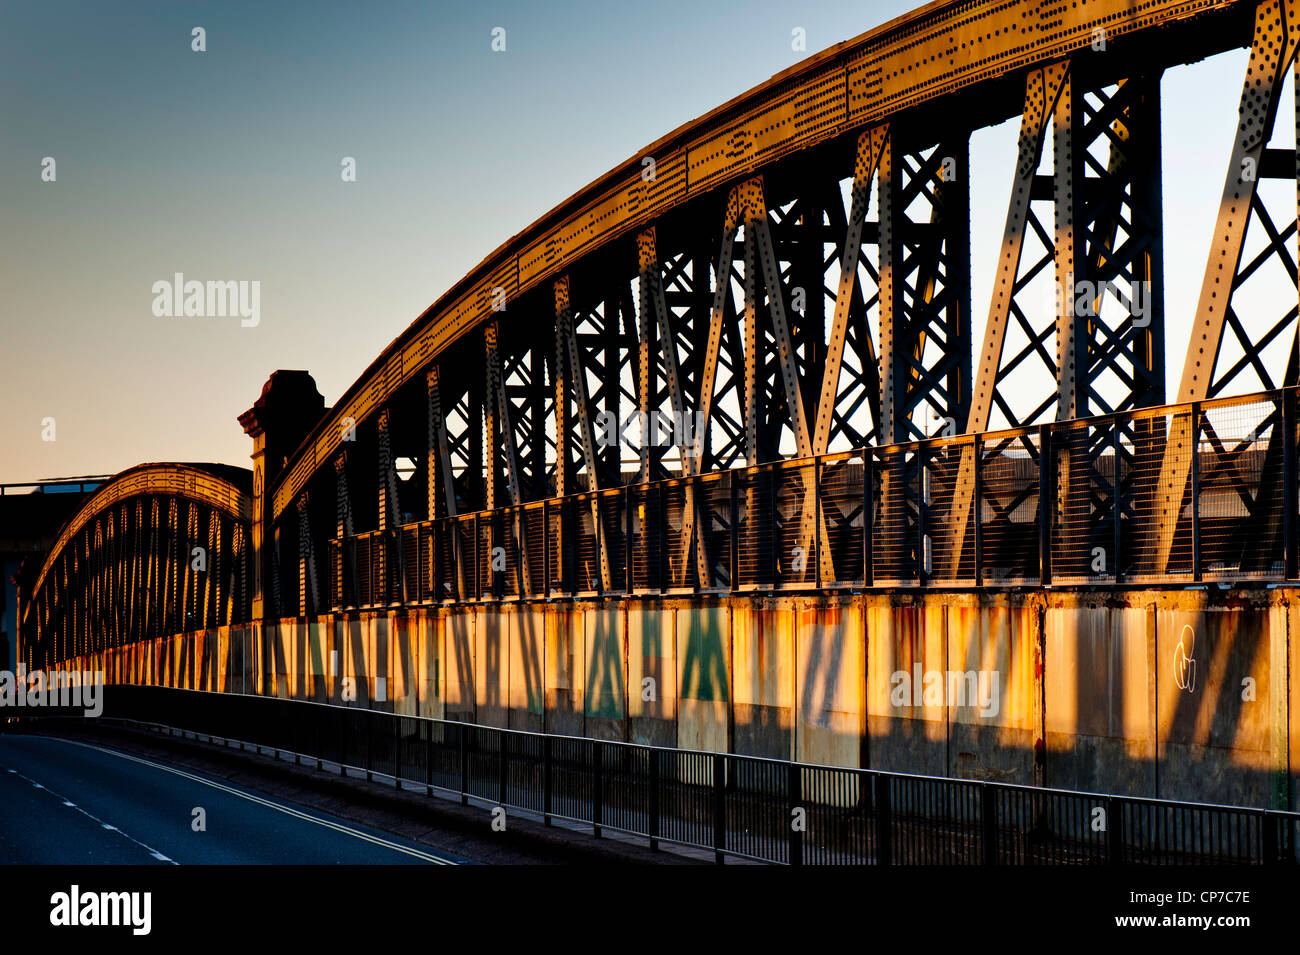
68, 802
287, 810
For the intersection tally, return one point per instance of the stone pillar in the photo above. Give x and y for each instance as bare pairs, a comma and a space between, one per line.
288, 408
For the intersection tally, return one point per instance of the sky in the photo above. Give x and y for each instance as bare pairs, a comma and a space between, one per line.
225, 164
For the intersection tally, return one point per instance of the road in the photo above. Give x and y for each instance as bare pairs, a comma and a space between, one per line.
64, 802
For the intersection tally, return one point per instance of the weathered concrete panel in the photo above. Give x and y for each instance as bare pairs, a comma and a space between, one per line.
527, 649
404, 688
492, 666
565, 659
704, 678
831, 684
317, 679
907, 733
763, 651
1097, 694
605, 656
354, 688
1292, 671
459, 662
651, 675
992, 691
221, 661
1214, 740
431, 628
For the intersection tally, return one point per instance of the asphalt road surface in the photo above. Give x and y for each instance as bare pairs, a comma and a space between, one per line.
64, 802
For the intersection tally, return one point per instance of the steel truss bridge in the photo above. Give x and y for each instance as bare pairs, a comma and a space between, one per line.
791, 272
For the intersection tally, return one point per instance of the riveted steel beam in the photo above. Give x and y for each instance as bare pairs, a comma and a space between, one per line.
567, 357
1272, 55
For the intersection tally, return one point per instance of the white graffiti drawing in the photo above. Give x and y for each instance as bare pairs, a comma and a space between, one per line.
1184, 662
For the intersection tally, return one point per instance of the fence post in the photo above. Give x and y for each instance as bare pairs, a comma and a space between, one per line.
654, 789
464, 765
1114, 835
719, 806
597, 788
1269, 832
794, 785
546, 780
397, 751
428, 759
989, 806
884, 846
503, 767
370, 745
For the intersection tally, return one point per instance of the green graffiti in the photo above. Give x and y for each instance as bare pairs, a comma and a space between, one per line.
605, 672
704, 665
650, 634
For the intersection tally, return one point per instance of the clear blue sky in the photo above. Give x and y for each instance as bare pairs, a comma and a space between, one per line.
225, 164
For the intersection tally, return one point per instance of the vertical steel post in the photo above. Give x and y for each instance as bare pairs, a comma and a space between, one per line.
734, 526
817, 516
546, 549
547, 782
719, 806
794, 786
868, 502
428, 759
1117, 501
464, 764
597, 787
1045, 503
629, 503
977, 506
1114, 831
884, 822
1196, 491
654, 798
397, 751
370, 745
989, 832
1289, 482
503, 767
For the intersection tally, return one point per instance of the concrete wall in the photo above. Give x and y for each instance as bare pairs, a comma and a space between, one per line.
1187, 694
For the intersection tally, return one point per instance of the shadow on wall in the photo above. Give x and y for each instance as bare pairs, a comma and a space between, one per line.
1156, 694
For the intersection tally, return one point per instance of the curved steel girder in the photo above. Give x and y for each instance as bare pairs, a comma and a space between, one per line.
929, 53
189, 481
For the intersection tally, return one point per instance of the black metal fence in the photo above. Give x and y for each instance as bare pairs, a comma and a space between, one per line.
1185, 493
739, 805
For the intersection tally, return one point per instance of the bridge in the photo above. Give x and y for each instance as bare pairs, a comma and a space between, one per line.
712, 456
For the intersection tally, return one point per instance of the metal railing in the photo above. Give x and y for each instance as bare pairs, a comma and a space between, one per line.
72, 485
1180, 494
746, 806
